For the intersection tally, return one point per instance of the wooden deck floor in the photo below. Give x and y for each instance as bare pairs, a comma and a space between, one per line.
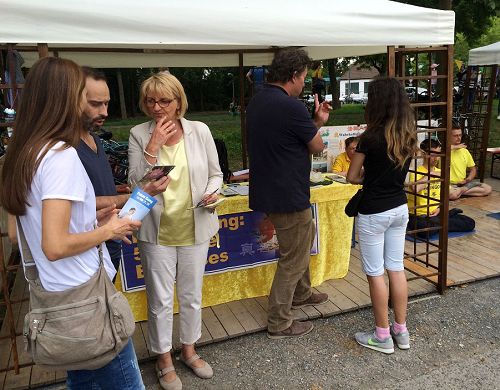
470, 258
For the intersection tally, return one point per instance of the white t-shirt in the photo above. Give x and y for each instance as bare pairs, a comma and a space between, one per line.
61, 175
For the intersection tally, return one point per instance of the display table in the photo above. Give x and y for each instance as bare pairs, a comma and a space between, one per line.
335, 233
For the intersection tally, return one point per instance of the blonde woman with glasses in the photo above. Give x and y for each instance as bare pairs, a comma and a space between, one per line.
173, 239
380, 163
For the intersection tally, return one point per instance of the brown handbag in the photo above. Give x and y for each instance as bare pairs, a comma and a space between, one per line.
81, 328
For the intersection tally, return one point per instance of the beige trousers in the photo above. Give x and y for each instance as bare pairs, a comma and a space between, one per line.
295, 233
162, 265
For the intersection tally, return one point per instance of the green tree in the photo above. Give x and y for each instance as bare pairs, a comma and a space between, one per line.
472, 17
492, 35
476, 24
336, 67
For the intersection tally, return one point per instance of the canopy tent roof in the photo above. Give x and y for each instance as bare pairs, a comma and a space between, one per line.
485, 55
157, 33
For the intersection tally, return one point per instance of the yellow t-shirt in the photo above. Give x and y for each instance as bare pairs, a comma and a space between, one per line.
435, 192
341, 163
176, 221
318, 73
461, 159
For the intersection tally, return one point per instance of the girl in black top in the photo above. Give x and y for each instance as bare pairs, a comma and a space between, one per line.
381, 163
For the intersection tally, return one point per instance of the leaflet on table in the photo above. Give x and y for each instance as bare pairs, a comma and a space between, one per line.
137, 206
337, 178
234, 189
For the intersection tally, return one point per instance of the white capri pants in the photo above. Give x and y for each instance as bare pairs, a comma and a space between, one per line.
162, 265
382, 240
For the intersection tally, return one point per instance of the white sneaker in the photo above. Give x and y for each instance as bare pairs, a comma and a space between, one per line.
498, 117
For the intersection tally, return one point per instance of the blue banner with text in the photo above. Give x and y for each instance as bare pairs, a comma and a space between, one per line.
244, 240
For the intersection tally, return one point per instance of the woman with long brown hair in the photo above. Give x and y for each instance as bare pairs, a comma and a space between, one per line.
45, 185
381, 162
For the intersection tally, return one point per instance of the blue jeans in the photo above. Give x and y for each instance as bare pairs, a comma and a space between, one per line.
382, 240
120, 373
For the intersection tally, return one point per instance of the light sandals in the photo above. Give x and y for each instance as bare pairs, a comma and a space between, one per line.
204, 372
176, 384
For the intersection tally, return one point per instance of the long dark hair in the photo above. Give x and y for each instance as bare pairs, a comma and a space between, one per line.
388, 109
49, 112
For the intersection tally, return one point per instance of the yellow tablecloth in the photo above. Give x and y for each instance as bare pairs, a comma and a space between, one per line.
335, 233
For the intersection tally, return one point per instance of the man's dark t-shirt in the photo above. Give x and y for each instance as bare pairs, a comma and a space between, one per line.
383, 182
101, 176
279, 129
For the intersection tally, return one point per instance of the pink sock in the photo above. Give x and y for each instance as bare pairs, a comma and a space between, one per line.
398, 328
382, 333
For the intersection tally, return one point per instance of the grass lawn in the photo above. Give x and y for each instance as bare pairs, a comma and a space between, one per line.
227, 127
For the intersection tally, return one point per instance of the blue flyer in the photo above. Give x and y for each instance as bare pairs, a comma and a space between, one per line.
137, 206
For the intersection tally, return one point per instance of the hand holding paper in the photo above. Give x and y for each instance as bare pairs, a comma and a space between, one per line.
120, 228
210, 198
156, 173
156, 187
207, 200
138, 205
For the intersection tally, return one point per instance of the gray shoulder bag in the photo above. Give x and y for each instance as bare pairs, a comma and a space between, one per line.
81, 328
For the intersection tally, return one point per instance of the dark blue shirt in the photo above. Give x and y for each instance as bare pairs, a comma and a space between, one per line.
101, 176
258, 75
279, 129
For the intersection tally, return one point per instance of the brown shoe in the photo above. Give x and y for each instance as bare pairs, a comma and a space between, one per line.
314, 299
297, 329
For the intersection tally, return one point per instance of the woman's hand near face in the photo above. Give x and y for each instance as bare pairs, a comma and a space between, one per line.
163, 131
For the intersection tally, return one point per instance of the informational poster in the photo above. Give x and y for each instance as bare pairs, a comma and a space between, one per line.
334, 139
244, 240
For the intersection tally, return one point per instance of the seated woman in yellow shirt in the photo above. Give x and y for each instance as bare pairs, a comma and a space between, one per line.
343, 160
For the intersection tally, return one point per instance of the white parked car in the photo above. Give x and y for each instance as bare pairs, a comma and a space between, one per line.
328, 98
412, 92
354, 98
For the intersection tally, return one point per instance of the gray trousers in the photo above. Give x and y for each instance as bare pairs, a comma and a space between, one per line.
162, 265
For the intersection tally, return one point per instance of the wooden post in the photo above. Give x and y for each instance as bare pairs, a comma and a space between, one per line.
445, 175
121, 95
487, 120
243, 114
391, 61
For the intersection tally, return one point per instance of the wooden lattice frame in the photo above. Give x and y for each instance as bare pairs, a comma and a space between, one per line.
438, 105
475, 115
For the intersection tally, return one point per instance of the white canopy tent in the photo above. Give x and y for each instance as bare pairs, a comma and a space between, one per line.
204, 33
485, 55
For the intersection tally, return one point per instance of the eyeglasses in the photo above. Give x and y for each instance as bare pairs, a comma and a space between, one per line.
163, 103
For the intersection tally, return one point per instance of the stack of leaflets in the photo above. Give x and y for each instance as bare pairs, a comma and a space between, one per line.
235, 189
337, 178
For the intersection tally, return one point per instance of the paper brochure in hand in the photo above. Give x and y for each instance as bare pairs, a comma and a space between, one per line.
208, 205
137, 206
157, 172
